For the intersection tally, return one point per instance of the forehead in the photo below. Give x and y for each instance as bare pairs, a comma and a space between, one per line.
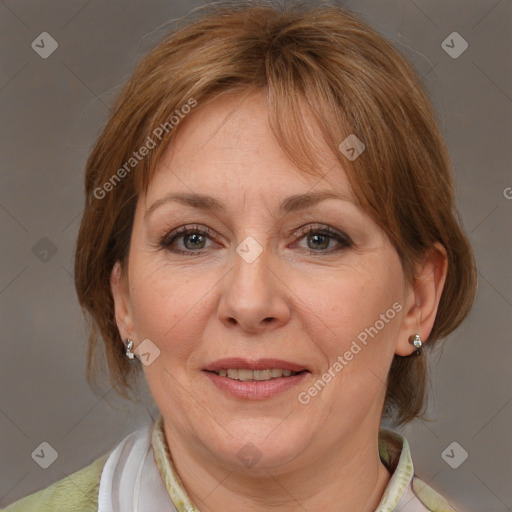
228, 146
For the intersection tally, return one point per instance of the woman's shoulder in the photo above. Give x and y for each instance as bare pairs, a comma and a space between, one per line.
76, 492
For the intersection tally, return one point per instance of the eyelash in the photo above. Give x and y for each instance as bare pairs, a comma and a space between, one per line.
170, 238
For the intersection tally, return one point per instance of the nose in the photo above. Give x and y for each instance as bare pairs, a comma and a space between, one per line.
255, 296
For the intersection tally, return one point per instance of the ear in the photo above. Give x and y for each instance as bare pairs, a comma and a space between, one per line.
120, 293
422, 297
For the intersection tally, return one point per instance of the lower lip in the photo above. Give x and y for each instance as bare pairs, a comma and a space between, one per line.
256, 389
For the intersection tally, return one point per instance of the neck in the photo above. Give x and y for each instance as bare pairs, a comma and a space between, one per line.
351, 475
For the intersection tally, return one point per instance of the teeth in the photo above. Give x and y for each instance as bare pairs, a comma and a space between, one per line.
245, 374
262, 374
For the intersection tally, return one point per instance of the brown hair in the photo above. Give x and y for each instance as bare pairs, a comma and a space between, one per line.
320, 61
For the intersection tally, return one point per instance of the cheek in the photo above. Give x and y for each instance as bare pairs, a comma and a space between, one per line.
347, 305
168, 307
355, 328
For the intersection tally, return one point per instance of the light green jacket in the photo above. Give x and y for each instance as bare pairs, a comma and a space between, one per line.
77, 492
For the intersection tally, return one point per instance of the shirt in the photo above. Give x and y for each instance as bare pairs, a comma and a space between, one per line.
79, 491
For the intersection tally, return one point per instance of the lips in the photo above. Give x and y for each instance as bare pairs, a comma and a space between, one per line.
257, 379
255, 389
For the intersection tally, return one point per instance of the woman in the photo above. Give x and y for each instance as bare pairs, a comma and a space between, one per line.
270, 235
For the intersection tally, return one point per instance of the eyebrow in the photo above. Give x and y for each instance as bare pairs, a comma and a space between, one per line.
208, 203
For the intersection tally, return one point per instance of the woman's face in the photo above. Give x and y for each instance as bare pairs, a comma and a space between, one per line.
247, 288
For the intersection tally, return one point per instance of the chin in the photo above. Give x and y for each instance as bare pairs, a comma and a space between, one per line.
258, 444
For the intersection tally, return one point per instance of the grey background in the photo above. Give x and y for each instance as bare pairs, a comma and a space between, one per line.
51, 111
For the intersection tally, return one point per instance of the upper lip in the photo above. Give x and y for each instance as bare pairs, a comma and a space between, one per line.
259, 364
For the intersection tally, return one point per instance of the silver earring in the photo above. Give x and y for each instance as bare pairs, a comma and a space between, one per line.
416, 341
129, 345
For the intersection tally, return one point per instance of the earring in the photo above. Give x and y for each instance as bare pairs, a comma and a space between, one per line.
416, 341
129, 345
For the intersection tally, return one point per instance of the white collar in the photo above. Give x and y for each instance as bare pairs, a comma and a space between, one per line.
130, 480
